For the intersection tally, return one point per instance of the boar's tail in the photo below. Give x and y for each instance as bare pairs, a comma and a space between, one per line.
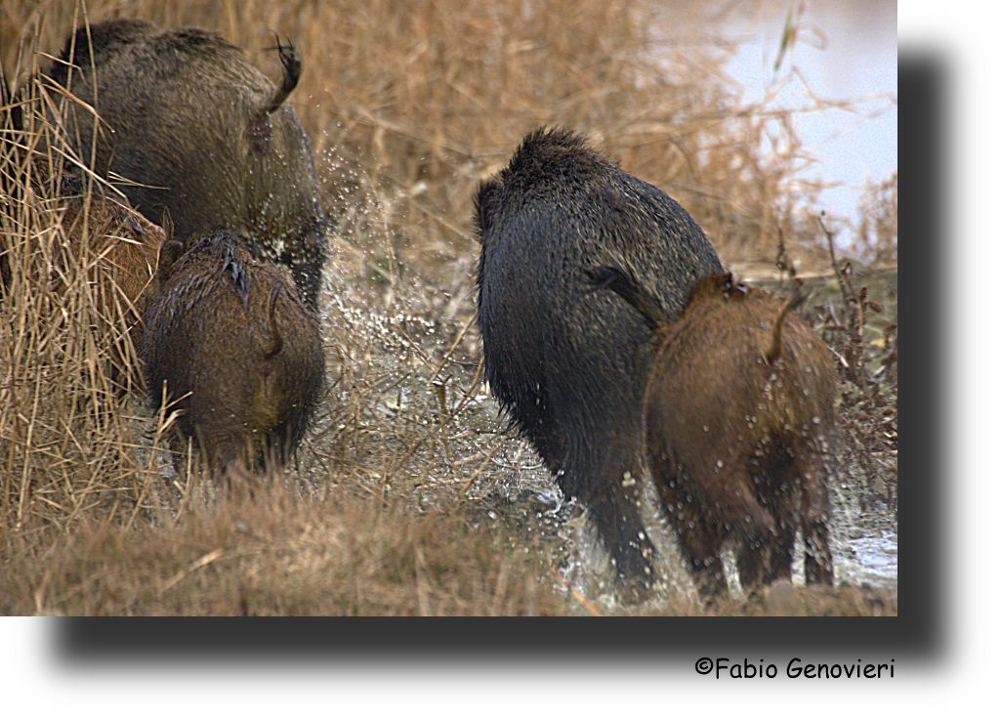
644, 301
292, 66
274, 340
774, 351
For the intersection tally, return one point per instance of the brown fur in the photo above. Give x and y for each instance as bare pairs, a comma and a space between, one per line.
128, 245
240, 353
124, 246
739, 444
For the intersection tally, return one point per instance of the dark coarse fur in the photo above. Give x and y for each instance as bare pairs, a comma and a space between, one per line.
567, 364
739, 414
231, 330
207, 137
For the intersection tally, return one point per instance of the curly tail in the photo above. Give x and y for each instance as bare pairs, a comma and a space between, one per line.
774, 351
275, 341
292, 67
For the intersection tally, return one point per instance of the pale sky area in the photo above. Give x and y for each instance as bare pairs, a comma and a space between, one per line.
846, 51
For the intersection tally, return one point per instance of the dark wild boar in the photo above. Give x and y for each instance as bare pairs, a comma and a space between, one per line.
200, 134
239, 351
739, 428
569, 365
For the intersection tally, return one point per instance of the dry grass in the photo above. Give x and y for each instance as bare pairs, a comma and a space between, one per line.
408, 497
410, 108
67, 360
277, 553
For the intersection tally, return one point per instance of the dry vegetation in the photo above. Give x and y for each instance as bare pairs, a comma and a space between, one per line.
409, 497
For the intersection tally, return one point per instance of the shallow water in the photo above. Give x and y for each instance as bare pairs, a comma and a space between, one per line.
866, 550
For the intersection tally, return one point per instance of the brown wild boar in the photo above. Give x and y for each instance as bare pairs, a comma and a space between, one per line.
97, 232
198, 133
739, 427
126, 245
237, 350
121, 249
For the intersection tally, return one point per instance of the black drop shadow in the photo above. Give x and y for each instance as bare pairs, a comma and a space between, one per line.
917, 631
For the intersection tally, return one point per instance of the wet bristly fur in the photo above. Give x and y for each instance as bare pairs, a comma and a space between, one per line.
197, 133
569, 365
239, 352
739, 428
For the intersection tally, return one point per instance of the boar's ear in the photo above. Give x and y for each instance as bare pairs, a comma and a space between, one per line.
487, 204
170, 252
167, 223
170, 249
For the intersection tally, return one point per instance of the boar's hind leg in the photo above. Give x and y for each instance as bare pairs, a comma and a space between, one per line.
750, 564
780, 565
756, 528
698, 545
701, 550
611, 494
620, 526
815, 517
783, 502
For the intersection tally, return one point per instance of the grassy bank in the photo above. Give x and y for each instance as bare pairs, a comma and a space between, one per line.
409, 496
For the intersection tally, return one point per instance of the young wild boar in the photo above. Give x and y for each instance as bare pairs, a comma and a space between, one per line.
94, 247
568, 365
739, 415
197, 133
239, 351
120, 248
127, 246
